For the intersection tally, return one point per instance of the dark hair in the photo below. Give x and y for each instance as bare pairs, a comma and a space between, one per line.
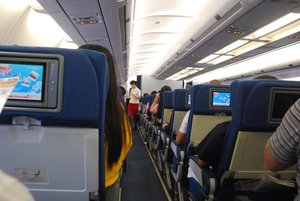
123, 90
133, 82
265, 77
145, 94
161, 100
153, 92
114, 114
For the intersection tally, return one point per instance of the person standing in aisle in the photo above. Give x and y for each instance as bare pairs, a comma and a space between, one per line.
133, 106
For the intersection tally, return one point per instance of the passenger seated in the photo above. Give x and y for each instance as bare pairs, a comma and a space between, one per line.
208, 150
282, 149
210, 147
118, 134
13, 190
180, 138
157, 105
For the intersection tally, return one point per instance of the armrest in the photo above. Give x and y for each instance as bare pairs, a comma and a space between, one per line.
178, 151
205, 176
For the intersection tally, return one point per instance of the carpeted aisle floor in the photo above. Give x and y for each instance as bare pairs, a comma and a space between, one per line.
141, 182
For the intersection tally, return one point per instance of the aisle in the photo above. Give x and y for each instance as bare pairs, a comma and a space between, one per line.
141, 182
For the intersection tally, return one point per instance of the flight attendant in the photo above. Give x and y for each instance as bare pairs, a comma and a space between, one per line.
133, 106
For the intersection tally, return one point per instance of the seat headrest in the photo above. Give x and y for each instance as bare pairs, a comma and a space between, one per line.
202, 99
180, 100
168, 99
85, 86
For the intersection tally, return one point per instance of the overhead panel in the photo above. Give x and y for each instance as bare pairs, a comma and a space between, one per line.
248, 23
114, 20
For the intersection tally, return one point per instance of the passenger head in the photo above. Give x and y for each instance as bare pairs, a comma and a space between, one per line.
265, 77
153, 92
215, 82
114, 114
145, 94
133, 84
161, 101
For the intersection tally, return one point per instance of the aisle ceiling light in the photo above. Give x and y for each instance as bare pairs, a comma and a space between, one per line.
161, 28
184, 73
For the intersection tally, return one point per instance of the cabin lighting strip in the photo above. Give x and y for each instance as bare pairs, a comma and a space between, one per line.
266, 61
280, 28
184, 73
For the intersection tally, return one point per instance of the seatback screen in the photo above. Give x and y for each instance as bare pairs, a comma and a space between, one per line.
187, 99
221, 98
31, 80
281, 101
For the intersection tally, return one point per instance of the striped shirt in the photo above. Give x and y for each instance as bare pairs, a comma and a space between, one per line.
285, 142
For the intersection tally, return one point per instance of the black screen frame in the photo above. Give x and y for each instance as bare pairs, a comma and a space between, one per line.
52, 89
274, 91
187, 94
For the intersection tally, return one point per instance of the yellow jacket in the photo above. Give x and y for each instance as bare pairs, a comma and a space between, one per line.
112, 173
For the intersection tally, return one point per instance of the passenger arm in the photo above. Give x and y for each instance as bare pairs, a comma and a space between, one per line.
272, 163
282, 148
180, 138
154, 106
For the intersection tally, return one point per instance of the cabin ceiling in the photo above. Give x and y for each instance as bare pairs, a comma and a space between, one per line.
165, 37
92, 22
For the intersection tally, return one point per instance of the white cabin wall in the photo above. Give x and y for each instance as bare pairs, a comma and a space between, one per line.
149, 84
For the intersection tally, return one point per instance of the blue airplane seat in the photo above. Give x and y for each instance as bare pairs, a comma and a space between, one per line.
179, 110
168, 106
202, 105
205, 113
149, 122
241, 157
63, 146
150, 101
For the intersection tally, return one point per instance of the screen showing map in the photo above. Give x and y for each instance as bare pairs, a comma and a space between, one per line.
30, 84
221, 98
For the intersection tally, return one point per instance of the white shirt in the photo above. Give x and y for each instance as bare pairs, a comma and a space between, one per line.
13, 190
136, 91
184, 123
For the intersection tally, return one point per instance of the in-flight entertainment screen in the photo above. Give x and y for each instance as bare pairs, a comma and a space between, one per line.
221, 98
31, 80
